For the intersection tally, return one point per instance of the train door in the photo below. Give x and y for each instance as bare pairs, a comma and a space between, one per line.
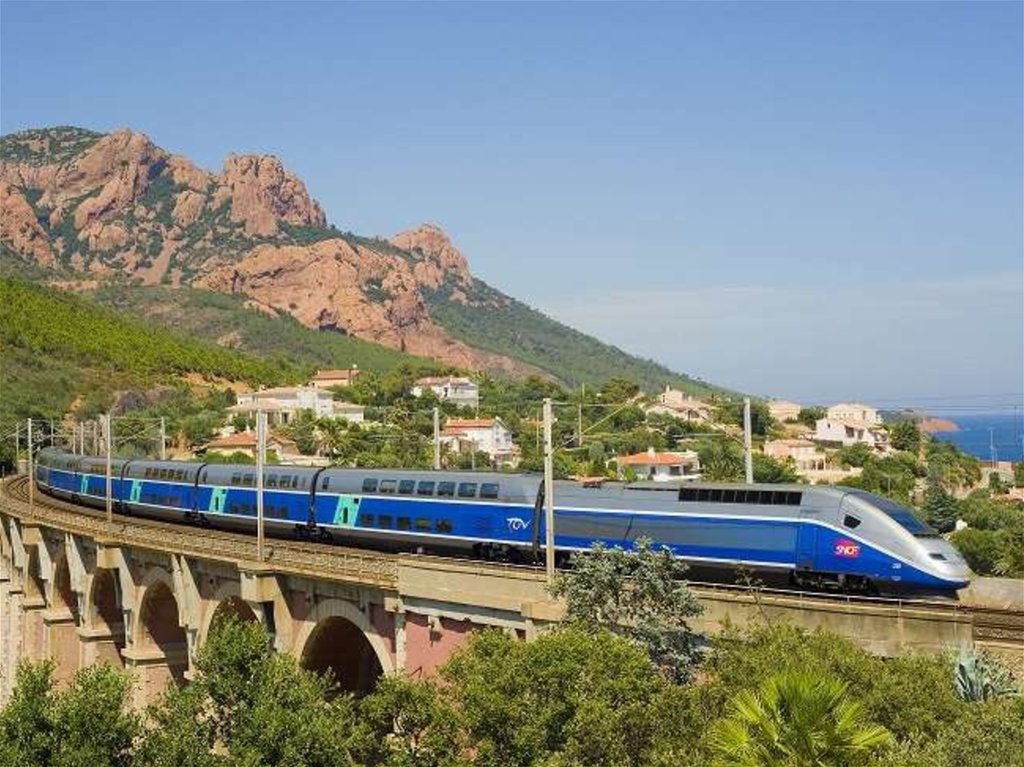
806, 539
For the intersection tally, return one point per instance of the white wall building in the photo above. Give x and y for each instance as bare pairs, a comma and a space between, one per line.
805, 454
849, 432
662, 467
283, 403
454, 389
325, 379
488, 435
854, 411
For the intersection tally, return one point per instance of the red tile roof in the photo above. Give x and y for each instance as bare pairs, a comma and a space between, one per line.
658, 459
470, 423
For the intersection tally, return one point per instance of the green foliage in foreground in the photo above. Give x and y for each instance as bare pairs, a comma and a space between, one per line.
795, 718
638, 594
768, 696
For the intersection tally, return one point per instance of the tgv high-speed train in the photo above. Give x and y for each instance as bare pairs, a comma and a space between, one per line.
832, 536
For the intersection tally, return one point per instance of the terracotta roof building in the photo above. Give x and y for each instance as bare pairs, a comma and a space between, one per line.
662, 467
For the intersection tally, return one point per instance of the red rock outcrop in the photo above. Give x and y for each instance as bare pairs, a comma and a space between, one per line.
19, 227
263, 193
440, 259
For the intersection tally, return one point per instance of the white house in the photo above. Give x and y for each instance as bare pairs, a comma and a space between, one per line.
488, 435
455, 389
854, 411
847, 432
662, 467
283, 403
245, 442
782, 410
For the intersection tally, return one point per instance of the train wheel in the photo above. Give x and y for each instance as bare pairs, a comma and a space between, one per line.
324, 536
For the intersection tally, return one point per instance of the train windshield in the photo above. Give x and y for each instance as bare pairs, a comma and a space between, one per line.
900, 514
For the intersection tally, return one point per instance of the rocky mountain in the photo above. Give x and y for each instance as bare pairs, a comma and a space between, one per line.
89, 207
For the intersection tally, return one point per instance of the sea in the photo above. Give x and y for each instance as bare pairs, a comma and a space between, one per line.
979, 432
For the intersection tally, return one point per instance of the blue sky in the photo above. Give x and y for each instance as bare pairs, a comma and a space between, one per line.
804, 200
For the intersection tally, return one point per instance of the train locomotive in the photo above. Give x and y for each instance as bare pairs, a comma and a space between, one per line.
834, 537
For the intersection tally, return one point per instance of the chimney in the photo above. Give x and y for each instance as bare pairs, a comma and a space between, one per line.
650, 452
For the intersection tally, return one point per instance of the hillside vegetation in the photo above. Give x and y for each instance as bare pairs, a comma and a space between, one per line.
498, 323
57, 346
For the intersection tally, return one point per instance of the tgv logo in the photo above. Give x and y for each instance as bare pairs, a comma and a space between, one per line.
517, 523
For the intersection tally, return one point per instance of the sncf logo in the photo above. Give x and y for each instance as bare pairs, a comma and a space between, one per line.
847, 548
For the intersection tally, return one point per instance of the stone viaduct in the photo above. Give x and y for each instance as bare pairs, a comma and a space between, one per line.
143, 595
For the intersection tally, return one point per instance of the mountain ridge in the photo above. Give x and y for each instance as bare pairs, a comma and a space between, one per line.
92, 207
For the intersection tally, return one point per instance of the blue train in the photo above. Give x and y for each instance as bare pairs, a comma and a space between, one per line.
822, 536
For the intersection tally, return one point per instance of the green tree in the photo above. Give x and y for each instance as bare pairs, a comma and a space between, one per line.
409, 723
85, 725
905, 436
771, 470
981, 548
569, 697
256, 706
639, 594
1018, 474
797, 720
721, 460
809, 416
939, 508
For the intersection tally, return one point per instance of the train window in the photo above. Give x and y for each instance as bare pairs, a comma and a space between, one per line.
794, 498
443, 526
423, 524
851, 521
406, 486
202, 477
270, 480
387, 485
489, 490
467, 490
365, 520
369, 485
384, 521
446, 488
295, 482
728, 496
249, 480
425, 488
937, 555
325, 483
703, 494
688, 494
404, 523
236, 479
147, 473
779, 499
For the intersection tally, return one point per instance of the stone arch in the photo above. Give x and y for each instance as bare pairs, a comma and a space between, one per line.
33, 605
338, 636
158, 635
103, 622
226, 601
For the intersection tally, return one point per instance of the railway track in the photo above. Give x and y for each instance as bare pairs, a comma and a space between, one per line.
334, 562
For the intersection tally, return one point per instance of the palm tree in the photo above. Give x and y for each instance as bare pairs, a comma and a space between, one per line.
796, 720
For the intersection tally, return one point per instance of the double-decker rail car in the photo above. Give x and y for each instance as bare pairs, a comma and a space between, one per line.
824, 536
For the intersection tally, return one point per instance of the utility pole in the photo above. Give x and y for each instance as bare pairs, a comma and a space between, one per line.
17, 445
261, 449
163, 438
549, 495
108, 429
51, 433
748, 456
579, 421
437, 438
31, 472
